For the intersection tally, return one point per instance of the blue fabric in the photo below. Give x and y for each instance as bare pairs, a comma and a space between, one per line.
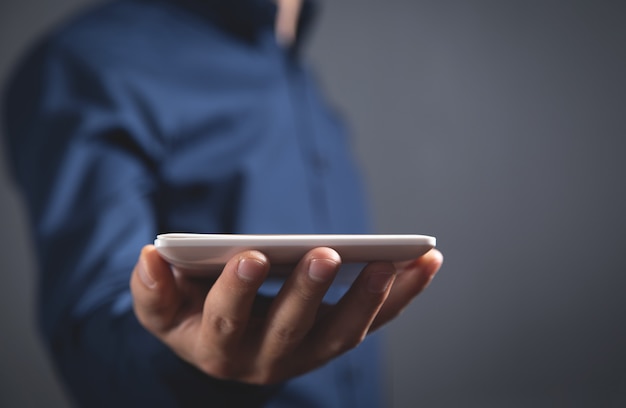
145, 116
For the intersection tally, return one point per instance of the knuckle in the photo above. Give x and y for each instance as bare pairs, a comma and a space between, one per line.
265, 377
307, 293
224, 325
344, 344
228, 370
154, 322
287, 334
219, 368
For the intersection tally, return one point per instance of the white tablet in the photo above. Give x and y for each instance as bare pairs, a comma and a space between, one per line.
200, 254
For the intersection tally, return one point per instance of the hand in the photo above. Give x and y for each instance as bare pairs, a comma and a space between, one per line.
228, 331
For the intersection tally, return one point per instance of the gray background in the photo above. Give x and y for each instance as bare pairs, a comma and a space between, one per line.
499, 127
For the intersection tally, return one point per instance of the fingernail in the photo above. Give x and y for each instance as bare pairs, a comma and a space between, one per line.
145, 276
322, 270
249, 269
379, 282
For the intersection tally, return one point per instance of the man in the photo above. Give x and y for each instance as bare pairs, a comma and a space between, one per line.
149, 116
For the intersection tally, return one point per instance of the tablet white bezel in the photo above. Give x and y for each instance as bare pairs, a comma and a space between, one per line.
209, 252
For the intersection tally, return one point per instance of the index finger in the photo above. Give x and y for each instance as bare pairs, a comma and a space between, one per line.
228, 305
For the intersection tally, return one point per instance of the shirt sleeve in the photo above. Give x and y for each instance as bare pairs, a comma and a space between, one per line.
87, 161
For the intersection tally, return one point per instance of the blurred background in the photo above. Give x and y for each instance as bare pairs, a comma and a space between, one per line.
497, 126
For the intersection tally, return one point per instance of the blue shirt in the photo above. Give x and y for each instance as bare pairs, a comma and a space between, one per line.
148, 116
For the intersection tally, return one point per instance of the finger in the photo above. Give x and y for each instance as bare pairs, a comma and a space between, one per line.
345, 326
156, 300
295, 308
410, 282
228, 305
